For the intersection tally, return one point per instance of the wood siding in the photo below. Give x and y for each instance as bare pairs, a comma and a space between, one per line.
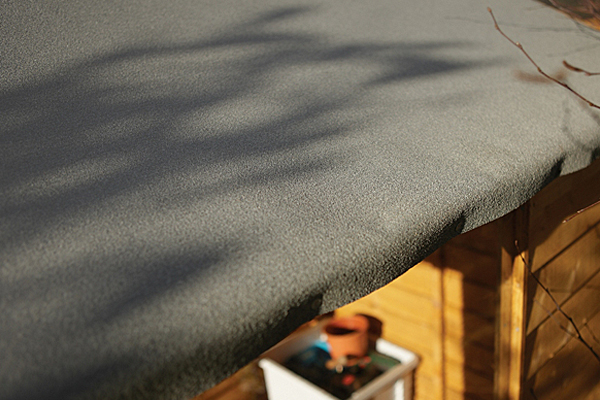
444, 309
482, 326
565, 257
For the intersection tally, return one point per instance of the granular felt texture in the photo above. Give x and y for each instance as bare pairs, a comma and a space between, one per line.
182, 183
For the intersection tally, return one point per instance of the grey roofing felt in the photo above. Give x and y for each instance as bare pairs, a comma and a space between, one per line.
184, 182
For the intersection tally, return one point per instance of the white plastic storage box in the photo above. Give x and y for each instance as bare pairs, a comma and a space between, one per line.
283, 384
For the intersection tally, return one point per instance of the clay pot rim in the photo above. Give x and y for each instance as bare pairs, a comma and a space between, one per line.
356, 323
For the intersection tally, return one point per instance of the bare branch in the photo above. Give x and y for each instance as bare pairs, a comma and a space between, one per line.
533, 394
576, 69
595, 12
520, 47
552, 317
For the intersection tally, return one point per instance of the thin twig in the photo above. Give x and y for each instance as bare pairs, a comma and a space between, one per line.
577, 335
533, 394
596, 13
579, 70
520, 47
580, 211
592, 334
552, 317
558, 308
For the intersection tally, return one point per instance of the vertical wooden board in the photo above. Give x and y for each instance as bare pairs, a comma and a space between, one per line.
510, 325
481, 240
453, 284
548, 339
572, 374
553, 204
476, 267
564, 275
468, 296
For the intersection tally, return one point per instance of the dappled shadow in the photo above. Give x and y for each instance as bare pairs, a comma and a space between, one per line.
99, 129
148, 129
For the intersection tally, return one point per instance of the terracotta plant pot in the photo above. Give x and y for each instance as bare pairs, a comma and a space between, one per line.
348, 336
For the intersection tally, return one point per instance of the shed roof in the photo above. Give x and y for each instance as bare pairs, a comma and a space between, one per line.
183, 183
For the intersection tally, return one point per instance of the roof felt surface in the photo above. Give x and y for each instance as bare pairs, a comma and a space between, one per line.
184, 182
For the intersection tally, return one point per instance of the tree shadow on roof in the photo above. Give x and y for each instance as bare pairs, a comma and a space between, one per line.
139, 132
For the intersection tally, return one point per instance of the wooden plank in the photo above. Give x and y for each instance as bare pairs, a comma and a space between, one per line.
417, 338
511, 325
572, 374
476, 267
423, 342
594, 393
468, 296
564, 276
409, 306
558, 200
427, 387
457, 395
461, 379
475, 357
481, 240
548, 339
469, 328
424, 278
364, 305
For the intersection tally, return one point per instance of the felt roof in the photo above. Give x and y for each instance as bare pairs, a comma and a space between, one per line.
182, 183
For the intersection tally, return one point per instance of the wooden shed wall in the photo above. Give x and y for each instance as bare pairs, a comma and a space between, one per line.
449, 308
566, 260
444, 309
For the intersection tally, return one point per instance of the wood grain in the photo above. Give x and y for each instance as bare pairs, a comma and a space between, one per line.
564, 276
478, 268
511, 308
573, 373
548, 339
468, 296
560, 199
464, 380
